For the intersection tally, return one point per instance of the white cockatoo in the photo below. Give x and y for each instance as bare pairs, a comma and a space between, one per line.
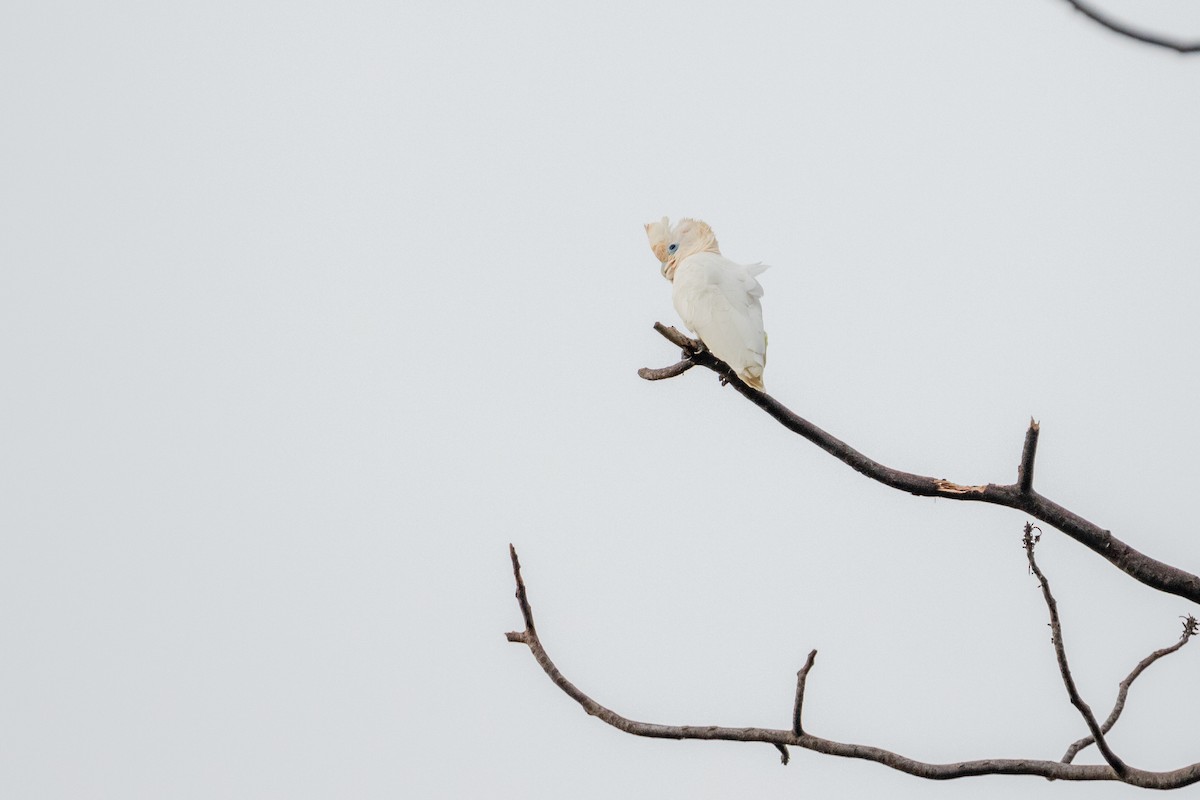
716, 298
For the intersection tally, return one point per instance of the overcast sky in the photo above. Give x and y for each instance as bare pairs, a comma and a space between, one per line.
307, 310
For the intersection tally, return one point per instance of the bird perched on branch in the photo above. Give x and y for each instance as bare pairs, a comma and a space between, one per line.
716, 298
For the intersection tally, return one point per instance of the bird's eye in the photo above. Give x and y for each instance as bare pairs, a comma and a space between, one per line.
673, 247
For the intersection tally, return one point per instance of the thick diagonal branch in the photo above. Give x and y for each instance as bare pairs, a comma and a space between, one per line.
1137, 565
1060, 653
781, 739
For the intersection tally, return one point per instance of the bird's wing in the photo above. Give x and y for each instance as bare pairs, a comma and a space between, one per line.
718, 300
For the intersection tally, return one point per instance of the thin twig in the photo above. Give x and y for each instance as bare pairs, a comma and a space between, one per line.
666, 372
1185, 776
1060, 652
801, 678
1028, 453
522, 601
1189, 630
1141, 36
1139, 566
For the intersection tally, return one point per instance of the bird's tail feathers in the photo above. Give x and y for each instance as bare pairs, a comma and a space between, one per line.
752, 375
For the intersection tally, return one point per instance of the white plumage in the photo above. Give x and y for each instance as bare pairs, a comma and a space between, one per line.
716, 298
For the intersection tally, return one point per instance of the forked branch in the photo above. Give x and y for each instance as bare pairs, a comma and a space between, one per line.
1020, 495
1060, 652
1189, 630
781, 739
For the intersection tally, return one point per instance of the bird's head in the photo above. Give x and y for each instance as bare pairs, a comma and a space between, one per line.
673, 245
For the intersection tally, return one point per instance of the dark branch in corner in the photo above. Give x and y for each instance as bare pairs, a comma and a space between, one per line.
1125, 30
1060, 653
1189, 630
1137, 565
782, 739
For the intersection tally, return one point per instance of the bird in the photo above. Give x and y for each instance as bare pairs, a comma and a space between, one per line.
717, 299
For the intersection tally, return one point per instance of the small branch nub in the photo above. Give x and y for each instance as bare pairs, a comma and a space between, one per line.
801, 678
1028, 452
522, 601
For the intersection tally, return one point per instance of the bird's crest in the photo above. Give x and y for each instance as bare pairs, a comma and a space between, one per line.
659, 234
692, 236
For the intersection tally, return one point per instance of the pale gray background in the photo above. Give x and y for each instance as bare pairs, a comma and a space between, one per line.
308, 310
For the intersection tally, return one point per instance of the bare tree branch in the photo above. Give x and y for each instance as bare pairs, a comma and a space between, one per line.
1125, 30
1137, 565
781, 739
1189, 630
1019, 495
1060, 653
